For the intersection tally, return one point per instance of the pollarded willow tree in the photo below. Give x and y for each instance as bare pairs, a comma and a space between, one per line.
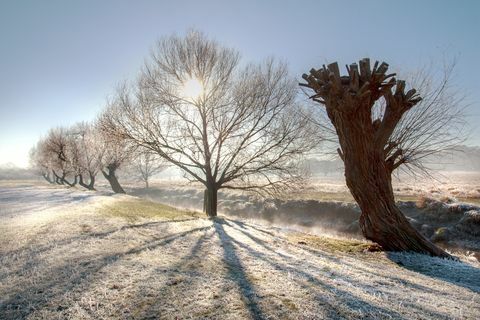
381, 126
57, 146
90, 150
117, 152
223, 125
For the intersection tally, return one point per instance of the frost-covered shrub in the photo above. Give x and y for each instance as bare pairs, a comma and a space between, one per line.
470, 223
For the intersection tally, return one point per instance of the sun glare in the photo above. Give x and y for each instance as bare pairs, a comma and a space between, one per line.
192, 88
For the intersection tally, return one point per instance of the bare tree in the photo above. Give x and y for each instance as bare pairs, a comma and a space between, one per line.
41, 162
224, 126
146, 164
63, 156
116, 153
90, 147
379, 130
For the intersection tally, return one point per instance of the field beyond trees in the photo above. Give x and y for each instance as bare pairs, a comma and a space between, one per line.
76, 254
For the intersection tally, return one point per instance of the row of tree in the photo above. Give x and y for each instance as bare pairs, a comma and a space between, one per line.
77, 154
229, 125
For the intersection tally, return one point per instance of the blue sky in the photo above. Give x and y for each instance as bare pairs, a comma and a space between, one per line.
60, 59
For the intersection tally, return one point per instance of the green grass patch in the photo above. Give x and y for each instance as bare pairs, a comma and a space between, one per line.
135, 209
330, 244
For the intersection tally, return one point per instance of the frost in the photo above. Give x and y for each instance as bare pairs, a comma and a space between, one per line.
62, 257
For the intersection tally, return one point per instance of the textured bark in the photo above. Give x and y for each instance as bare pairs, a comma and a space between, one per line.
112, 179
210, 201
365, 149
369, 180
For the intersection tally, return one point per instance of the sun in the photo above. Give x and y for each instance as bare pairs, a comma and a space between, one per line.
192, 88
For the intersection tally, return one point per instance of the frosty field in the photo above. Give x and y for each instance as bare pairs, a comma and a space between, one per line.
69, 254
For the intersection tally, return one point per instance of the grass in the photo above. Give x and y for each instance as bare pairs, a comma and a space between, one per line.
135, 209
94, 265
330, 244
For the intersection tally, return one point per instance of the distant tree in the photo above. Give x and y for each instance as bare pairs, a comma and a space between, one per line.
381, 127
117, 152
91, 149
40, 162
62, 156
146, 164
224, 126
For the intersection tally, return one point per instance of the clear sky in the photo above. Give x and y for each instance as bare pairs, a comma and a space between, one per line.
60, 59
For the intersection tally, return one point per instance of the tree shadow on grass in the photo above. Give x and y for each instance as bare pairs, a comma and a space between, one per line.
34, 252
64, 278
309, 280
309, 275
455, 272
236, 271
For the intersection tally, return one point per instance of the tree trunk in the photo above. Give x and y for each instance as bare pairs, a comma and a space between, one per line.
210, 202
89, 186
46, 176
72, 184
112, 179
369, 180
58, 179
146, 184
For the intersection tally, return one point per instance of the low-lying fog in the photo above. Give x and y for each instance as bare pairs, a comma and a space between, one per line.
326, 207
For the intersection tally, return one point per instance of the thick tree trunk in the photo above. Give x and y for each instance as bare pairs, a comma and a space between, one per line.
369, 180
112, 179
91, 185
146, 184
210, 202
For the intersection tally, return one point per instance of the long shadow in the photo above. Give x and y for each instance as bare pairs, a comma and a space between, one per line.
455, 272
237, 273
32, 261
22, 303
192, 256
438, 268
243, 225
348, 299
327, 256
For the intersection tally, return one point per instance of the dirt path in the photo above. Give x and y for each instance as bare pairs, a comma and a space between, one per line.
62, 257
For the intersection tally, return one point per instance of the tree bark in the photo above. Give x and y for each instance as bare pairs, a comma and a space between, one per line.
369, 180
112, 179
210, 201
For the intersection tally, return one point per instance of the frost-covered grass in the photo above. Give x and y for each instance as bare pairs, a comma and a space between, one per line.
68, 254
